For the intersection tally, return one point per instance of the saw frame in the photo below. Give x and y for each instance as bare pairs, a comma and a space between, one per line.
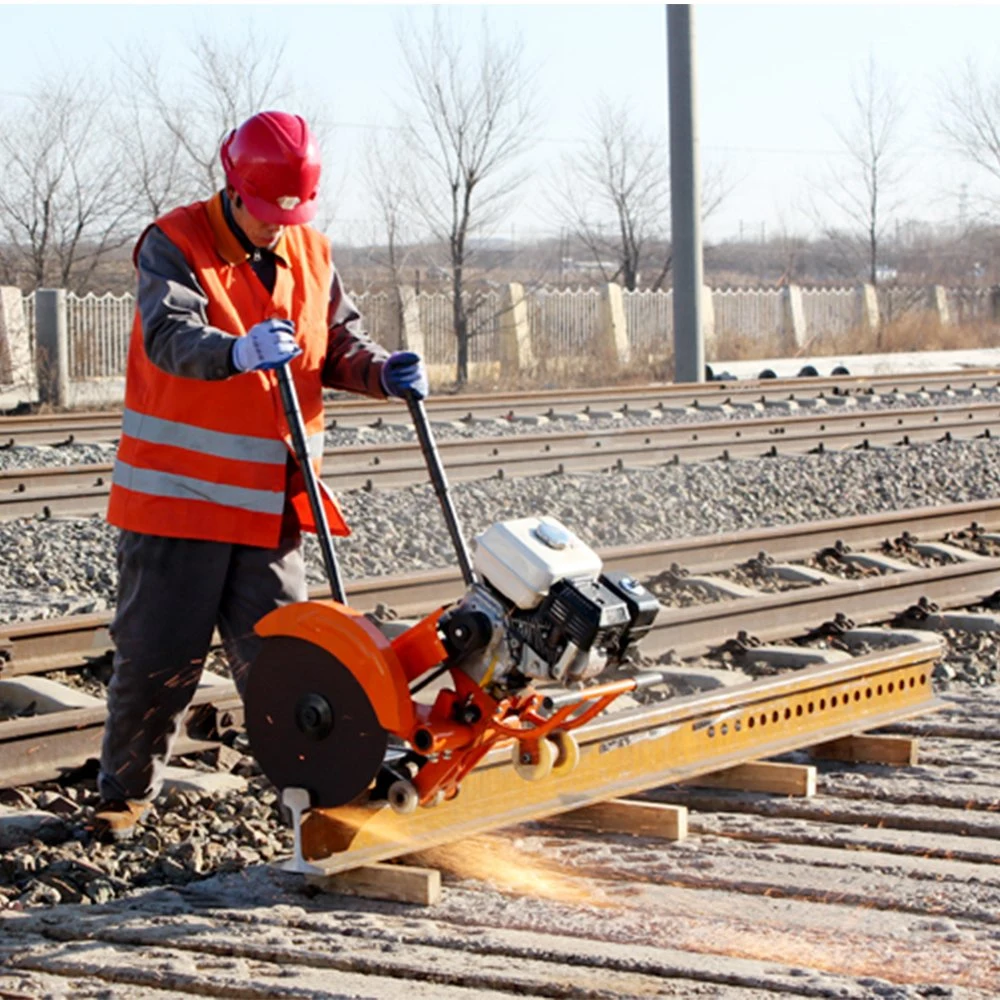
633, 751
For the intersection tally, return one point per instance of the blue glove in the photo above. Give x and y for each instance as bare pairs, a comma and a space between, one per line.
267, 345
404, 372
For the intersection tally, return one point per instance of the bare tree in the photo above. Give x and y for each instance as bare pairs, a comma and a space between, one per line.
468, 120
969, 115
862, 193
63, 207
388, 184
178, 121
387, 179
613, 194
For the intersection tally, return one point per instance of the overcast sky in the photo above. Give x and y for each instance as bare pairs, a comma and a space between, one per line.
772, 82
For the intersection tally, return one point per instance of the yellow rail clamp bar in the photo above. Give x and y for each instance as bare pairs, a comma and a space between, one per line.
622, 753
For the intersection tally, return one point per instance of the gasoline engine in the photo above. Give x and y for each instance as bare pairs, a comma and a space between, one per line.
542, 610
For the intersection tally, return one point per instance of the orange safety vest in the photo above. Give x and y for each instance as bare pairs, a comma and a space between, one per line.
208, 459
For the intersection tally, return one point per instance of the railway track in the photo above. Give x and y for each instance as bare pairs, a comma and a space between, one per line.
883, 884
60, 643
105, 425
40, 747
83, 489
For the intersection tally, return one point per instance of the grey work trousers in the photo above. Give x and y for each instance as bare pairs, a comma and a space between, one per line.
172, 594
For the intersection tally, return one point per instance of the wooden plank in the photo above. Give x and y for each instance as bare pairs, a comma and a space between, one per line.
865, 749
382, 880
643, 819
763, 776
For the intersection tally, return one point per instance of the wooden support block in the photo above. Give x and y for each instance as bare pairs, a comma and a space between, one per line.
763, 776
398, 883
643, 819
864, 749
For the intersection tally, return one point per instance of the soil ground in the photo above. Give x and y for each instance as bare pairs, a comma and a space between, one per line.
885, 884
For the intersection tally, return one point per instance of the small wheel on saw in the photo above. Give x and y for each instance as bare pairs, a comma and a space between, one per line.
567, 751
403, 797
534, 761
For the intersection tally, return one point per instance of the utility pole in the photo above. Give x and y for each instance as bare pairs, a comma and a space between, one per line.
685, 197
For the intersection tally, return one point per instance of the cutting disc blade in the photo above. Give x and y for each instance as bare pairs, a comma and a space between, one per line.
311, 724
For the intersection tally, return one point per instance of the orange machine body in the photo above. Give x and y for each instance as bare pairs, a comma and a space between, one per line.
463, 723
358, 644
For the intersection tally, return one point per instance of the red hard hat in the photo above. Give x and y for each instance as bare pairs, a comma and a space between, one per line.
273, 163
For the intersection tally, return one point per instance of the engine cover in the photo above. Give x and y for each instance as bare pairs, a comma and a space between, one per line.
541, 609
524, 557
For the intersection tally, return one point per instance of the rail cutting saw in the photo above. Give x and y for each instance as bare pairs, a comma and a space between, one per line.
337, 708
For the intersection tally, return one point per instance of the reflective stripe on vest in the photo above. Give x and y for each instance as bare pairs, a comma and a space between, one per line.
314, 443
241, 447
169, 484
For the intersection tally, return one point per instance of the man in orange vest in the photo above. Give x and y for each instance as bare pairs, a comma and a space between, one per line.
206, 491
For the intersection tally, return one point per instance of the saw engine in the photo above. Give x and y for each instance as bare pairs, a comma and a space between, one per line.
340, 711
543, 610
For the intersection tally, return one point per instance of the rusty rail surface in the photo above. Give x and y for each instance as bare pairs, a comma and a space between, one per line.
105, 425
633, 751
83, 489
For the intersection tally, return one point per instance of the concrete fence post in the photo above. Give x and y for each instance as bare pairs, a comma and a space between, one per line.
793, 318
515, 331
995, 303
938, 302
52, 345
612, 333
867, 299
411, 334
707, 318
18, 383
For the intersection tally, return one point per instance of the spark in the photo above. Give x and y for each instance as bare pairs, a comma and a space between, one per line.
501, 864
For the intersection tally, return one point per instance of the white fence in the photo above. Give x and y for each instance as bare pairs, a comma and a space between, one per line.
437, 324
649, 319
831, 311
562, 323
98, 328
749, 312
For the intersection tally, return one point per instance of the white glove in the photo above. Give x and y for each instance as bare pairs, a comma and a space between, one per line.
270, 344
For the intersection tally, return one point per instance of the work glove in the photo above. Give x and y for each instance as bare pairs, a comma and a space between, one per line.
404, 372
267, 345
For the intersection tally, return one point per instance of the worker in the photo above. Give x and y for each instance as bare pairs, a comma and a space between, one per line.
206, 491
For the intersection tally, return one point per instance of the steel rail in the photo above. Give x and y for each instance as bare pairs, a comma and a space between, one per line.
695, 630
634, 751
43, 745
56, 643
100, 426
54, 491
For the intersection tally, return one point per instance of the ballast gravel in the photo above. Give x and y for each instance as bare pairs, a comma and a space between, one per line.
61, 566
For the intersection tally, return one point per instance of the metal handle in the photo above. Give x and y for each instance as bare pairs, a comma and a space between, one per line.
440, 482
293, 414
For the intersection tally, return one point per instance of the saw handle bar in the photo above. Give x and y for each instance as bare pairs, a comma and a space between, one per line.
297, 427
638, 681
440, 482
